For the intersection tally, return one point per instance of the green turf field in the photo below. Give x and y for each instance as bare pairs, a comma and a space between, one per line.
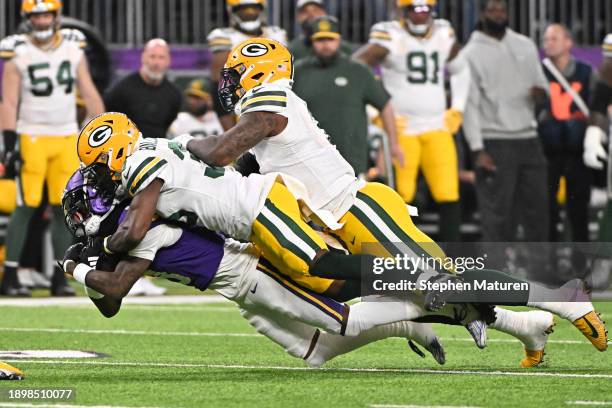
207, 355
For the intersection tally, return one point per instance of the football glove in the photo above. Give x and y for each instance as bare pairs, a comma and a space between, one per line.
452, 120
95, 256
72, 254
594, 154
12, 157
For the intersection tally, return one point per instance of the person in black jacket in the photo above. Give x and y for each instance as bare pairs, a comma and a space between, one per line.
147, 96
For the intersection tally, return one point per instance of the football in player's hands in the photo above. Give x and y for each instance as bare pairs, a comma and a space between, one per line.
72, 254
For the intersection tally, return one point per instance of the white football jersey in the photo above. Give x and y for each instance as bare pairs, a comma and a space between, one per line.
47, 104
413, 72
302, 150
225, 39
198, 127
217, 198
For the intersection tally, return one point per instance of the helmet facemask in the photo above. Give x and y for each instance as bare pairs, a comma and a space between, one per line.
85, 205
46, 34
421, 28
230, 90
249, 26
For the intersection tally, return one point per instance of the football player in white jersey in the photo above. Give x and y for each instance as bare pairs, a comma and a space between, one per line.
247, 20
275, 124
199, 120
42, 71
413, 53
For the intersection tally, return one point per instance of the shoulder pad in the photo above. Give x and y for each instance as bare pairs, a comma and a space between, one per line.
140, 169
75, 36
382, 31
267, 97
9, 45
219, 39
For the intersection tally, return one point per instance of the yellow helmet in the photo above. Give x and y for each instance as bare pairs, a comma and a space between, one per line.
418, 28
29, 7
251, 63
251, 26
408, 3
40, 6
108, 140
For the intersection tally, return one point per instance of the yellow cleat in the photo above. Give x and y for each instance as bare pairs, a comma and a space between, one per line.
593, 329
533, 358
8, 372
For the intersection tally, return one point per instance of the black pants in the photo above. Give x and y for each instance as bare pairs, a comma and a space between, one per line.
516, 193
578, 182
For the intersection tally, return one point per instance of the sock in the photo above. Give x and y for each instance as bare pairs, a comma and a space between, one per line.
517, 325
16, 233
376, 311
450, 221
9, 280
329, 345
58, 279
339, 266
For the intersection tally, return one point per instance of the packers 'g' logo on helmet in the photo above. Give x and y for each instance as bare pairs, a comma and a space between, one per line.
251, 63
107, 141
254, 50
100, 135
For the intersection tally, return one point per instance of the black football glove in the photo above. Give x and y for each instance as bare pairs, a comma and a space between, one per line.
95, 256
72, 254
12, 156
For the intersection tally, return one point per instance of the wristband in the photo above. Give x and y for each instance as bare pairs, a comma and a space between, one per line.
80, 272
105, 246
93, 294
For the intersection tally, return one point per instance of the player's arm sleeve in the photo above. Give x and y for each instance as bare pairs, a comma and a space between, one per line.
158, 237
76, 36
269, 99
471, 116
218, 40
140, 171
380, 35
460, 81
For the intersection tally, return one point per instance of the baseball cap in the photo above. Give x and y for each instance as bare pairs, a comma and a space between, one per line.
200, 88
325, 27
303, 3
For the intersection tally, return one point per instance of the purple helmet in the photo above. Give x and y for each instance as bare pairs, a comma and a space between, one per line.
81, 202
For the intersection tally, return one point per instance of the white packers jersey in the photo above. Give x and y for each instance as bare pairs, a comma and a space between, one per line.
302, 150
217, 198
225, 39
47, 104
198, 127
413, 72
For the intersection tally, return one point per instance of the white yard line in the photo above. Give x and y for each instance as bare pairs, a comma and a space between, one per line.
590, 403
229, 334
146, 300
336, 369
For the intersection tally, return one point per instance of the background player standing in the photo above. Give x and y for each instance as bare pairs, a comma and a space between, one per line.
42, 71
413, 53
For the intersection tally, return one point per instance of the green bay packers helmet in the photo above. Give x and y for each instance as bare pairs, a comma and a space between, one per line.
417, 15
105, 142
254, 19
251, 63
30, 7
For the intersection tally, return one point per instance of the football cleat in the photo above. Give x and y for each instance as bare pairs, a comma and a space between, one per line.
8, 372
533, 358
423, 335
594, 329
478, 331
